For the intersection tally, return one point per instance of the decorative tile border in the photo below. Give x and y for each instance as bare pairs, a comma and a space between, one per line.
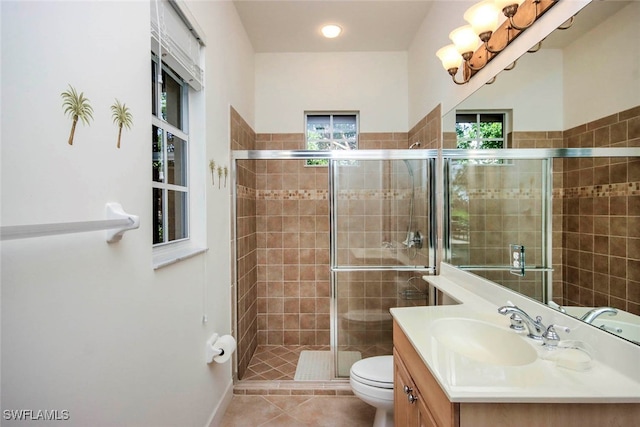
250, 193
595, 191
500, 193
292, 194
246, 192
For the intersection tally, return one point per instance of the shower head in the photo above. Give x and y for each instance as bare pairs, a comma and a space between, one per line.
415, 144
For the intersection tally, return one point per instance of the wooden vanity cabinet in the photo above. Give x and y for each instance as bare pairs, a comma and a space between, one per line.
430, 407
409, 405
422, 403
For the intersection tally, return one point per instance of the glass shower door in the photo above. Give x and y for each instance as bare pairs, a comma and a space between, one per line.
381, 246
499, 221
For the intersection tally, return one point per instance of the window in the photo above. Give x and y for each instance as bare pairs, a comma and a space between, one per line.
480, 130
170, 161
178, 134
330, 131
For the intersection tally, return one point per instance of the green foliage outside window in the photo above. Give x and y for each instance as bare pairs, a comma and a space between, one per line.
480, 130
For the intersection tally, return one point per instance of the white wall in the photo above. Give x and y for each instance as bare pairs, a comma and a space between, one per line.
602, 69
532, 90
288, 84
87, 326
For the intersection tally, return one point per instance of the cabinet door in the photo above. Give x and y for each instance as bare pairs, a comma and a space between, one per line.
424, 416
404, 396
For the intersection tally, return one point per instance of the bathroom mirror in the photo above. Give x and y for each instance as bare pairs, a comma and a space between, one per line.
569, 94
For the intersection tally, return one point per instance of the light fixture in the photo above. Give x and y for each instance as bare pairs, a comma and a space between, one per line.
451, 61
465, 40
483, 18
331, 31
484, 26
510, 8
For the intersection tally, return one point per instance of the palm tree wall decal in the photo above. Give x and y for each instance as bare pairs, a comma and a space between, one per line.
77, 107
121, 117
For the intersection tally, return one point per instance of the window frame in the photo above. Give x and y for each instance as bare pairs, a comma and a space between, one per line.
331, 114
478, 113
160, 123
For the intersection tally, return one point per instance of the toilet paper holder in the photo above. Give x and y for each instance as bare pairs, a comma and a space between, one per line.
210, 350
219, 348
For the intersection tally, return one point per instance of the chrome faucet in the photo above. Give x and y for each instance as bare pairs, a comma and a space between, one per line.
551, 338
534, 327
592, 315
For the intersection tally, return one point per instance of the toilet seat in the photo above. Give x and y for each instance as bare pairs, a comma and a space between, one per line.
374, 371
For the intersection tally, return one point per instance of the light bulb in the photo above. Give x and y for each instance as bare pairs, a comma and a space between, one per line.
331, 31
483, 16
450, 57
465, 39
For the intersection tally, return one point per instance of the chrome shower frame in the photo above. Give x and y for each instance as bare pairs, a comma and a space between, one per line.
334, 157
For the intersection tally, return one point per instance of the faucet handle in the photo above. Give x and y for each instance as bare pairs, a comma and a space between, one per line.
516, 322
550, 337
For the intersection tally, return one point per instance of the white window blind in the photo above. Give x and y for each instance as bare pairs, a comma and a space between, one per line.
181, 40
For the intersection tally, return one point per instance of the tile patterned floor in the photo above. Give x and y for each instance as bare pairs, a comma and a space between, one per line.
298, 411
268, 395
276, 362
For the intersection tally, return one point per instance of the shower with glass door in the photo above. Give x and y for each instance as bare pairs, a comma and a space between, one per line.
377, 205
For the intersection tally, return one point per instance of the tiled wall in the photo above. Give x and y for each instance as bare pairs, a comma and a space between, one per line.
601, 201
243, 138
502, 205
596, 213
428, 131
551, 139
293, 246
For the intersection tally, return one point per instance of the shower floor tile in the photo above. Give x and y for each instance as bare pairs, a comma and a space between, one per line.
270, 362
276, 362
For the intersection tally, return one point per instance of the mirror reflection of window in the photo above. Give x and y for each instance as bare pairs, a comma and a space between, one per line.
479, 130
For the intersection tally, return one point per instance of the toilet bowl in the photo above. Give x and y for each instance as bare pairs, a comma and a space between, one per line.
371, 380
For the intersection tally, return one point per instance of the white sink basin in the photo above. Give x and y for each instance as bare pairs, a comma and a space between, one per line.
483, 342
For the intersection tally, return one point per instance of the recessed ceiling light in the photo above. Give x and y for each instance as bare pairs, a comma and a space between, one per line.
331, 31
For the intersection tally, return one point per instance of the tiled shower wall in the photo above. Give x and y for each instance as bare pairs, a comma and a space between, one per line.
601, 201
293, 243
503, 204
243, 138
596, 213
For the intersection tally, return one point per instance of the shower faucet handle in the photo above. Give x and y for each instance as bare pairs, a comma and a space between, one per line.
414, 240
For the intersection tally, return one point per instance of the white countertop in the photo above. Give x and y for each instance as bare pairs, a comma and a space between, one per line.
466, 380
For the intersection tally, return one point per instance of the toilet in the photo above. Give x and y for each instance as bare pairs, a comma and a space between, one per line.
372, 381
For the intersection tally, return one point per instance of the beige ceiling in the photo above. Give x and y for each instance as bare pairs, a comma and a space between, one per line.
294, 26
369, 25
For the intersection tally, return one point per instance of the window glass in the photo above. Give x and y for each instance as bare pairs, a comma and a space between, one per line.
330, 132
176, 160
157, 158
158, 216
177, 215
171, 101
480, 130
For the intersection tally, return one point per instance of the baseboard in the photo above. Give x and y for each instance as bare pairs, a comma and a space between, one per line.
215, 419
